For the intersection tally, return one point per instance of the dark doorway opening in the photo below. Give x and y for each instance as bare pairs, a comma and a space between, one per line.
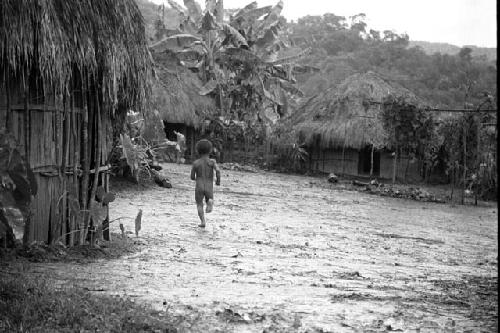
365, 158
170, 128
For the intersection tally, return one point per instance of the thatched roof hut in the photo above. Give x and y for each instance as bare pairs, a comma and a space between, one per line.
62, 41
70, 71
176, 93
347, 115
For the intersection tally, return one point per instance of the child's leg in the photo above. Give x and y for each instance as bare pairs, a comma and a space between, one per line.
209, 195
199, 207
210, 205
201, 214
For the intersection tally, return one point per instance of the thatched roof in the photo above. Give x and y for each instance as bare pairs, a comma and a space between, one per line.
176, 93
346, 114
103, 40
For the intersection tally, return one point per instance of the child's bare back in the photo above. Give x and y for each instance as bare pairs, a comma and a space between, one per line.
203, 173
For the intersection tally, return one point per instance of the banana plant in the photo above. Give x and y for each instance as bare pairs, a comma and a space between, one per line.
245, 62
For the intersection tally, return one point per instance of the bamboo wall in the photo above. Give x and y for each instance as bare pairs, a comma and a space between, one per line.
49, 131
330, 160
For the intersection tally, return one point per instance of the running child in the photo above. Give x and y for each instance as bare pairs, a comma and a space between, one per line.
203, 173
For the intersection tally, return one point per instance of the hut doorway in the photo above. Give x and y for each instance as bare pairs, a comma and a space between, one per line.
171, 127
365, 159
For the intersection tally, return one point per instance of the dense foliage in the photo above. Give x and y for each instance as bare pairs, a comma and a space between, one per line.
17, 186
240, 62
341, 47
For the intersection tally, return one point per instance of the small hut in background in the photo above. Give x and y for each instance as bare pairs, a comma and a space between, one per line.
343, 130
70, 71
178, 102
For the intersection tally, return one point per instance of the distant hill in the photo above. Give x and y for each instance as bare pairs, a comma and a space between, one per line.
429, 47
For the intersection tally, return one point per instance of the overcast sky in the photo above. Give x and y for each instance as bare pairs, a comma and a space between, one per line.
458, 22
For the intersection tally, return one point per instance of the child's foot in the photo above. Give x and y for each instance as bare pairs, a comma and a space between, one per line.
210, 206
202, 225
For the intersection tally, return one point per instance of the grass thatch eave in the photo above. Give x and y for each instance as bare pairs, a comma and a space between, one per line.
104, 40
176, 94
349, 114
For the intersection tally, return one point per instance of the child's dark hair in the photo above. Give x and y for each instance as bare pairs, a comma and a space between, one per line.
204, 147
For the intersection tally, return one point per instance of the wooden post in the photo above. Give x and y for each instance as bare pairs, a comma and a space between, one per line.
8, 118
478, 155
452, 184
27, 224
371, 165
343, 148
76, 160
97, 156
464, 176
193, 143
394, 166
85, 161
105, 225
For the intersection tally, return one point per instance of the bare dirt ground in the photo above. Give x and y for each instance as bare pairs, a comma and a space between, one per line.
280, 254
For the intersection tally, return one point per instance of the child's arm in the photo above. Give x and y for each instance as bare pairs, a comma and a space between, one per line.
193, 173
217, 173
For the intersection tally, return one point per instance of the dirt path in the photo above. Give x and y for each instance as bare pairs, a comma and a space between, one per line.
283, 255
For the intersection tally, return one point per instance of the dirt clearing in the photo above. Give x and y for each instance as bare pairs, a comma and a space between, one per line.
280, 254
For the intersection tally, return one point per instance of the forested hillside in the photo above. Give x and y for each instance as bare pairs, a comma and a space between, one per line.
430, 48
438, 73
342, 47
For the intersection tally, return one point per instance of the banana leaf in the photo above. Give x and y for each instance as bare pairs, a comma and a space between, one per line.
219, 11
287, 86
98, 212
208, 22
292, 58
190, 54
272, 17
241, 55
174, 43
303, 69
249, 17
194, 9
210, 5
138, 220
208, 87
246, 9
237, 38
176, 7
